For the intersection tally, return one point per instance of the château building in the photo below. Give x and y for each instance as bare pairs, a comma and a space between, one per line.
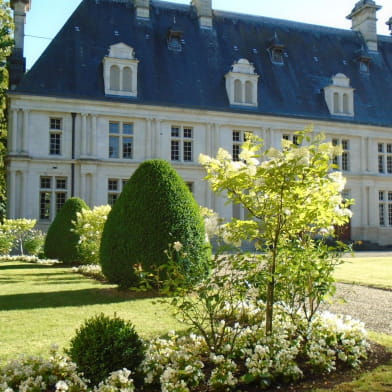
129, 80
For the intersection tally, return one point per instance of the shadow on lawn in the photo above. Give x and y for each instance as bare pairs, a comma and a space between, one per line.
58, 299
20, 266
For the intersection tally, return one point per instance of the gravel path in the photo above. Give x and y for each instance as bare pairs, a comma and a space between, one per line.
372, 306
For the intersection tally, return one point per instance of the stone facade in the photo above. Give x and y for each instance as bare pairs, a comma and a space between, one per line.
62, 145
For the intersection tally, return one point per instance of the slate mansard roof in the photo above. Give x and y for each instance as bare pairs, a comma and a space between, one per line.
71, 67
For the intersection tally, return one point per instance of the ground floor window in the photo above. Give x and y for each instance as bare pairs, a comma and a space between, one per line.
52, 196
115, 187
385, 208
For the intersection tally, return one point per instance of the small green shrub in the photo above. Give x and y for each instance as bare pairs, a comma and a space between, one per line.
104, 344
34, 242
62, 242
154, 211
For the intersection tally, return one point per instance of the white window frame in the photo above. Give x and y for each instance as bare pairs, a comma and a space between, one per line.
114, 188
385, 208
55, 135
53, 192
343, 161
183, 138
122, 138
384, 158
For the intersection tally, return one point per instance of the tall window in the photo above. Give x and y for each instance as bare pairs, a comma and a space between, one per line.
385, 158
342, 161
120, 140
115, 187
181, 144
55, 132
385, 208
53, 194
238, 139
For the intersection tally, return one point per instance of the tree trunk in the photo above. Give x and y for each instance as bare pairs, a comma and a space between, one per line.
269, 311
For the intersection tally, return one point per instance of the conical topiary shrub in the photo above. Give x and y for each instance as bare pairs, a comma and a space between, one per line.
62, 242
154, 210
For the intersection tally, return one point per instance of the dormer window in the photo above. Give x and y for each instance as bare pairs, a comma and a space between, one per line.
174, 40
120, 71
339, 96
241, 84
276, 50
364, 64
364, 60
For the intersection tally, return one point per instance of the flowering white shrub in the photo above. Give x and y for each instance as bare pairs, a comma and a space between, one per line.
91, 270
57, 374
89, 226
222, 376
34, 374
120, 381
176, 364
28, 259
332, 338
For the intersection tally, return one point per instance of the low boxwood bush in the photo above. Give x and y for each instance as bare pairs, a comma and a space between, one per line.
62, 242
105, 344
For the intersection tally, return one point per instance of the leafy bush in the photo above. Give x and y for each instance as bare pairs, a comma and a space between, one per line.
89, 226
61, 241
155, 209
33, 243
103, 345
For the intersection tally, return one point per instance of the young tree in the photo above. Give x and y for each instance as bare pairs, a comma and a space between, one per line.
6, 43
292, 195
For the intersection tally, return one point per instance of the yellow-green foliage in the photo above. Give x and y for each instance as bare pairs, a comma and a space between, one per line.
89, 226
16, 233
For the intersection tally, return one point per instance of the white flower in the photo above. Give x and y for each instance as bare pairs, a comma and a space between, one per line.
61, 386
177, 246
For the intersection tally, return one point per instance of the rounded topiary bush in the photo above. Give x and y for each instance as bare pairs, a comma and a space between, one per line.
61, 241
154, 210
105, 344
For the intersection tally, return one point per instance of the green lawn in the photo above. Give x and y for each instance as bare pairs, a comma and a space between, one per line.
368, 271
42, 305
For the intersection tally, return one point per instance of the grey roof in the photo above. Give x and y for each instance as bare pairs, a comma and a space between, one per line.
194, 78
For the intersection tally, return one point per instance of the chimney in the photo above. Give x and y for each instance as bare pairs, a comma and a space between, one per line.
204, 11
17, 62
142, 8
363, 17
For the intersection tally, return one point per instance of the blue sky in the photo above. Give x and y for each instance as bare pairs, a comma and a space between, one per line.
48, 16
